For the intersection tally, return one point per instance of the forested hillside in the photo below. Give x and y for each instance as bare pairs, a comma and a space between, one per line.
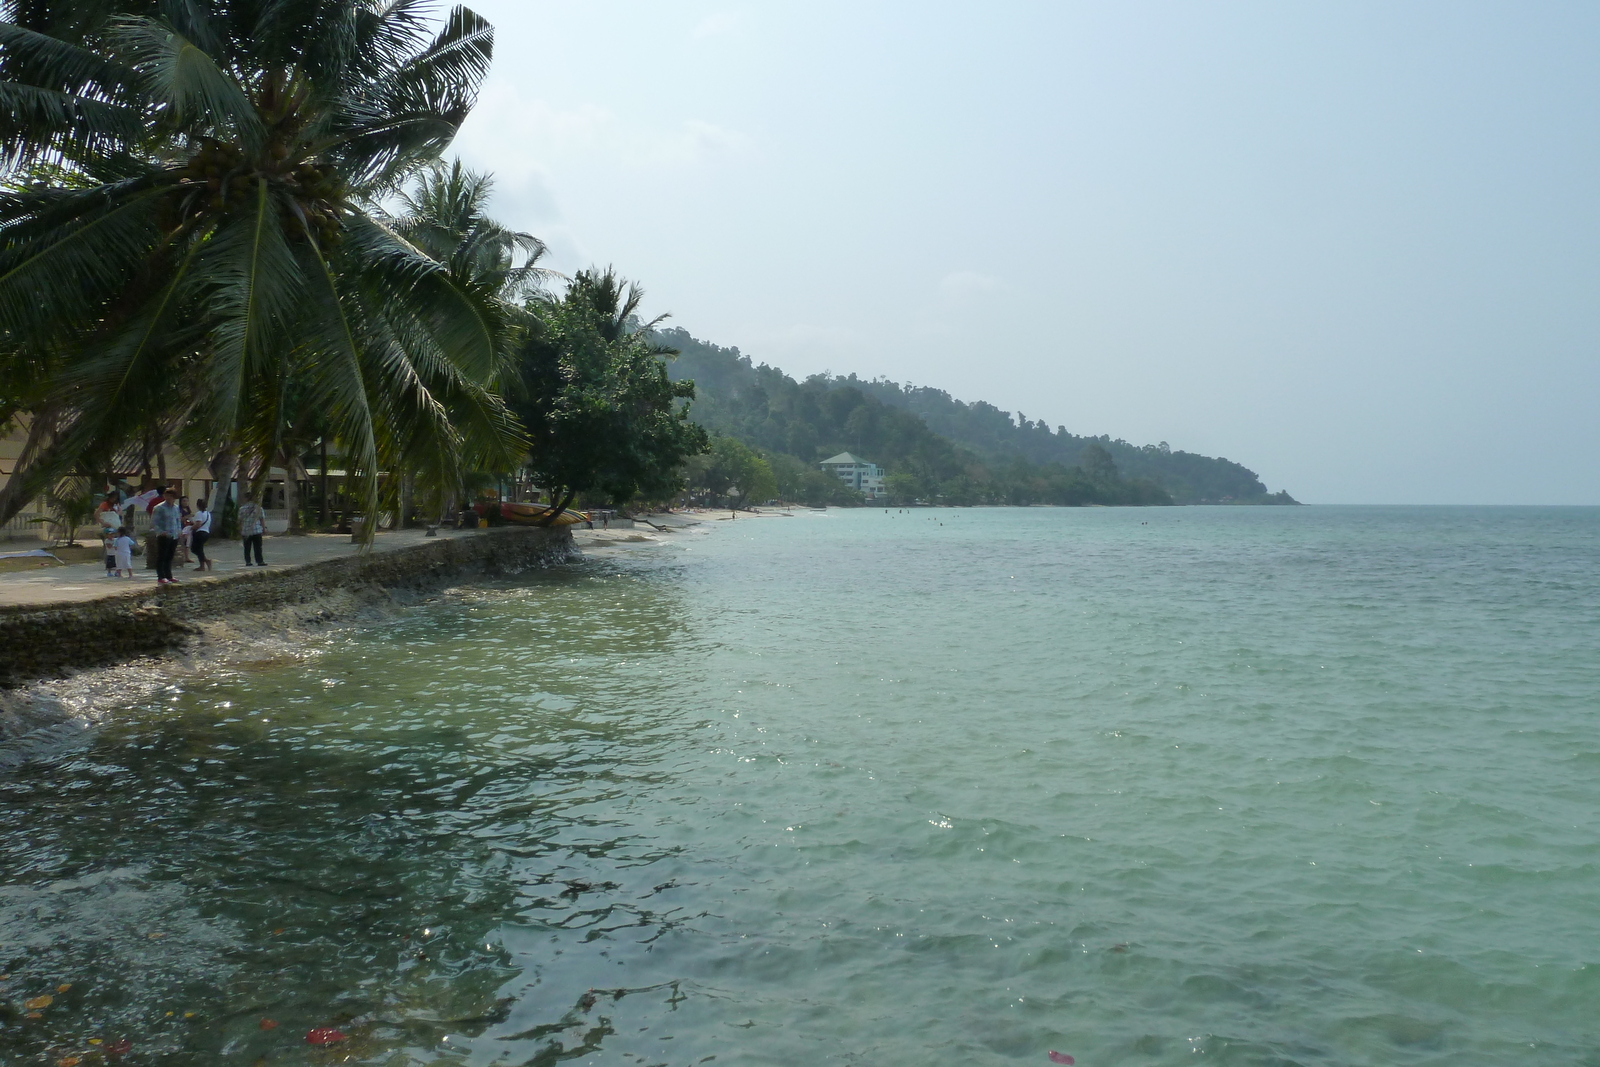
938, 448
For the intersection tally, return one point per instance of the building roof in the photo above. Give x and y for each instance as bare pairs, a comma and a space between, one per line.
843, 457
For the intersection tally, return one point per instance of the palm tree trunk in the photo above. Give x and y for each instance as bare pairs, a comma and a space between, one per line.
223, 466
42, 452
322, 519
263, 475
448, 505
550, 516
293, 471
408, 494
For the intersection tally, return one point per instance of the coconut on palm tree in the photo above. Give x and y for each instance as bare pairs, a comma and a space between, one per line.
189, 225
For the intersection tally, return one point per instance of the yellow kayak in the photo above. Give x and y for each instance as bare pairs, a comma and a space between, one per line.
530, 514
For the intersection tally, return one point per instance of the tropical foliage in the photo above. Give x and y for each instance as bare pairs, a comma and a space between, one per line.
594, 394
729, 471
72, 504
190, 237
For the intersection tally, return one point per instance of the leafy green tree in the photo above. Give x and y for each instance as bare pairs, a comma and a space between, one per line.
787, 474
189, 228
1098, 465
735, 471
760, 485
595, 398
903, 488
819, 488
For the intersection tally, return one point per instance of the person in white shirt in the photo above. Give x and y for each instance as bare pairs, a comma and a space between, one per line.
123, 549
199, 534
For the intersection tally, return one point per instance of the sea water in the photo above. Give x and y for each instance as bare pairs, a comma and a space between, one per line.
955, 786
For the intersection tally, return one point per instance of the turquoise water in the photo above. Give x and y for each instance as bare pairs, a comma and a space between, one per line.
1253, 786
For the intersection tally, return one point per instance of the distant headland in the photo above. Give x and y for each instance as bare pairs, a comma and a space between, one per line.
933, 448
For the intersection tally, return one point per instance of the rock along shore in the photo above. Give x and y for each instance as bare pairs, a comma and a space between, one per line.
50, 640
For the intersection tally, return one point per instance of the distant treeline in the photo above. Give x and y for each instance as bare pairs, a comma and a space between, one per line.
936, 448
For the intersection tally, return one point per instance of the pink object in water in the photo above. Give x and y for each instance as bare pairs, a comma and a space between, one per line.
1060, 1057
324, 1035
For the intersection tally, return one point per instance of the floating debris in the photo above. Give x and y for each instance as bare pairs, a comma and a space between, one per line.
268, 1024
44, 1000
324, 1035
120, 1047
63, 987
1060, 1057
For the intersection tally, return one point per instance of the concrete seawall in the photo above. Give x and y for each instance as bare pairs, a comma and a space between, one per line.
39, 641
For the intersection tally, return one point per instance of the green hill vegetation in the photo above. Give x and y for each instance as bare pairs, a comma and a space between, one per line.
935, 448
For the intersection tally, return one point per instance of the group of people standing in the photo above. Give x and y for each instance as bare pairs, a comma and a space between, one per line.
172, 524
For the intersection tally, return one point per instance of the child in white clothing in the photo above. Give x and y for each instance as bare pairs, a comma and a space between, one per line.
124, 550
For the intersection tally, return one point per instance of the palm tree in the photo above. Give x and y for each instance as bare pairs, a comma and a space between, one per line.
445, 215
71, 505
188, 225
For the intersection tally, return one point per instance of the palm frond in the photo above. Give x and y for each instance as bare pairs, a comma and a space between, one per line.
188, 230
178, 73
49, 125
41, 59
409, 114
62, 256
337, 358
256, 282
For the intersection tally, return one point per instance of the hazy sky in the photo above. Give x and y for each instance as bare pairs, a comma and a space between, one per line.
1352, 246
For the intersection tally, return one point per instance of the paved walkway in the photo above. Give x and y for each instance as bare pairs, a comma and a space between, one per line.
87, 581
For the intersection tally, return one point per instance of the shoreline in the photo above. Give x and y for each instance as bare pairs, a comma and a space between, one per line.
63, 658
70, 663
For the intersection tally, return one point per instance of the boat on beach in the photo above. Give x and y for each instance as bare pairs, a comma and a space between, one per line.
532, 514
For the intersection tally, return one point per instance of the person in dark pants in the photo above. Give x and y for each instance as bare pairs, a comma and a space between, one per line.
166, 522
252, 524
199, 534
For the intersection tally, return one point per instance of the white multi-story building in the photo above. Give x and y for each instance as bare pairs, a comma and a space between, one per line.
865, 478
